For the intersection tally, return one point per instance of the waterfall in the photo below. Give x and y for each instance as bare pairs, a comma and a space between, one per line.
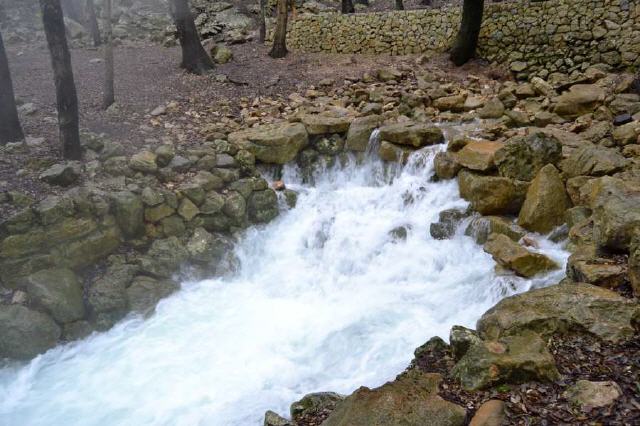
328, 297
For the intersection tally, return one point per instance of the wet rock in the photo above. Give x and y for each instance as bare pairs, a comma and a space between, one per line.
76, 330
593, 160
211, 254
273, 419
144, 293
291, 198
275, 143
512, 360
411, 400
314, 404
434, 346
490, 413
545, 203
448, 221
412, 134
482, 226
360, 132
235, 206
461, 339
107, 297
562, 308
322, 124
25, 333
129, 212
445, 165
63, 174
393, 153
172, 226
580, 99
522, 157
616, 212
58, 292
330, 146
588, 395
492, 194
144, 161
263, 206
163, 258
478, 155
512, 255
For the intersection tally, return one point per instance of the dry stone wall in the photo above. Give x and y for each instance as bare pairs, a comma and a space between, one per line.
532, 38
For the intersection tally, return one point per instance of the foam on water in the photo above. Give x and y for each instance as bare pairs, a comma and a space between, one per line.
326, 299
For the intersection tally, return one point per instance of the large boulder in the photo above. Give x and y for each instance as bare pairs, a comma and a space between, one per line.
412, 134
58, 292
410, 400
211, 253
616, 212
322, 124
25, 333
512, 255
580, 99
522, 157
562, 308
478, 155
492, 194
545, 203
511, 359
272, 143
445, 165
593, 160
360, 132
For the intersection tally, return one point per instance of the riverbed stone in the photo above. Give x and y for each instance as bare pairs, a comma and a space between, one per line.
593, 160
480, 227
272, 143
490, 195
545, 203
322, 124
58, 292
144, 293
393, 153
580, 99
412, 134
616, 212
410, 400
512, 255
164, 257
445, 165
25, 333
522, 157
562, 308
478, 155
107, 297
492, 109
360, 132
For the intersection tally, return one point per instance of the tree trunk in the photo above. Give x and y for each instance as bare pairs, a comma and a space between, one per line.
399, 5
262, 34
194, 57
347, 6
10, 130
364, 2
66, 96
108, 95
467, 40
92, 22
279, 49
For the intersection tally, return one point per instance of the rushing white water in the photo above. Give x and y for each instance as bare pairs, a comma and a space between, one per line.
326, 299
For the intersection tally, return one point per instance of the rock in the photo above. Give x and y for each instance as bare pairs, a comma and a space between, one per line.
580, 99
473, 103
478, 155
410, 400
187, 210
393, 153
263, 206
433, 347
588, 395
445, 228
453, 103
491, 194
315, 403
107, 296
173, 226
144, 293
50, 210
129, 213
275, 143
157, 213
562, 308
164, 155
522, 157
221, 54
388, 74
212, 254
603, 272
616, 212
626, 134
492, 109
490, 413
321, 124
593, 160
158, 111
412, 134
512, 360
143, 161
634, 264
25, 333
62, 174
273, 419
360, 132
58, 292
543, 88
545, 203
212, 204
445, 165
482, 226
163, 258
235, 206
461, 339
512, 255
621, 119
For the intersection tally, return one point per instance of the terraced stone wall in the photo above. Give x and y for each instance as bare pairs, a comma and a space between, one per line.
532, 38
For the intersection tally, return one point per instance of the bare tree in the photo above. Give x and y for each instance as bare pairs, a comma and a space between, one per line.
92, 22
467, 40
347, 6
399, 5
194, 57
10, 129
108, 95
66, 96
262, 33
279, 49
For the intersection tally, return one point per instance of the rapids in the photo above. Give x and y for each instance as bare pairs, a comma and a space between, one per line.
327, 298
